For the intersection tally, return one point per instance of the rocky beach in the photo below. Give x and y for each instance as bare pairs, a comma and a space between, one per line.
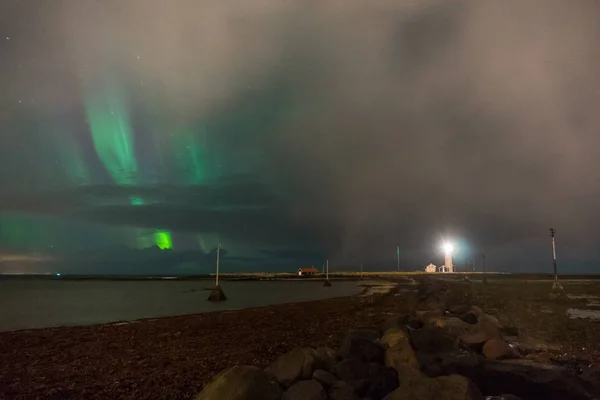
419, 338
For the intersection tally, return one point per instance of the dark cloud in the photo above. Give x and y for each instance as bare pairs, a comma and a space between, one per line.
350, 127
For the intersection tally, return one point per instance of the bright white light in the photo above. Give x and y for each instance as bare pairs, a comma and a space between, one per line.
447, 247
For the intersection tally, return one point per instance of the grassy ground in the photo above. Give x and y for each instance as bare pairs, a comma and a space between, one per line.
542, 321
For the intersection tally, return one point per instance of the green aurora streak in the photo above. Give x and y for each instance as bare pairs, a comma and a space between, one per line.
112, 134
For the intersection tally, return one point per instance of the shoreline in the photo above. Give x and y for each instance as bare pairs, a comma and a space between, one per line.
366, 288
173, 357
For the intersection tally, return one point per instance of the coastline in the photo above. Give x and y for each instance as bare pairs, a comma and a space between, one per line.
173, 357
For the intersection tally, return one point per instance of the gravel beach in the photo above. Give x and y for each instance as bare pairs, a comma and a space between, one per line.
172, 358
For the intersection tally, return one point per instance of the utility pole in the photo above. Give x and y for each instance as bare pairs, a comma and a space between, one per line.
218, 254
555, 285
327, 283
483, 267
217, 294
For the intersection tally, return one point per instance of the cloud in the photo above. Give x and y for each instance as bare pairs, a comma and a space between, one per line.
371, 124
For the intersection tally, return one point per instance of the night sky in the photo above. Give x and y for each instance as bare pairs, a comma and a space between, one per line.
135, 136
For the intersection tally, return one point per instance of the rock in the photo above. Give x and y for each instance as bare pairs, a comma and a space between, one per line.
394, 321
370, 334
295, 365
504, 397
380, 385
241, 383
469, 318
452, 387
478, 334
328, 356
325, 378
350, 370
305, 390
431, 340
532, 380
462, 362
361, 348
460, 309
398, 350
340, 390
453, 326
457, 387
497, 349
425, 315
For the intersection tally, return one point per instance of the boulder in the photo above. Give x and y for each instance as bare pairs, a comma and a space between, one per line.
462, 362
378, 386
497, 348
431, 340
323, 377
305, 390
328, 356
398, 350
452, 387
532, 380
361, 348
350, 370
425, 315
393, 321
504, 397
241, 383
453, 326
476, 335
371, 334
340, 390
469, 318
298, 364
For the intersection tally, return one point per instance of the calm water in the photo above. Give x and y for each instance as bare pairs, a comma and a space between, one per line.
31, 304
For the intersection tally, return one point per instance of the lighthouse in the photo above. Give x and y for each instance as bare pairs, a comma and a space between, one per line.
448, 248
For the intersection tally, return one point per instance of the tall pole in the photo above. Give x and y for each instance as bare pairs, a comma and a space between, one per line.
398, 256
556, 287
483, 267
327, 275
218, 253
552, 232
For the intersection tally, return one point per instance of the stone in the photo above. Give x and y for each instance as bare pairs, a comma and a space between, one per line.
380, 385
366, 333
431, 340
323, 377
504, 397
398, 350
425, 315
298, 364
241, 383
453, 326
341, 390
497, 349
351, 370
361, 348
469, 318
478, 334
528, 379
452, 387
394, 321
460, 309
305, 390
217, 294
328, 356
461, 361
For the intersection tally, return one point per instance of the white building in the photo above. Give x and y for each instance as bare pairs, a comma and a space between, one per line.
430, 268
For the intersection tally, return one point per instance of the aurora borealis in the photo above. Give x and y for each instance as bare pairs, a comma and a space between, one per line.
290, 132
